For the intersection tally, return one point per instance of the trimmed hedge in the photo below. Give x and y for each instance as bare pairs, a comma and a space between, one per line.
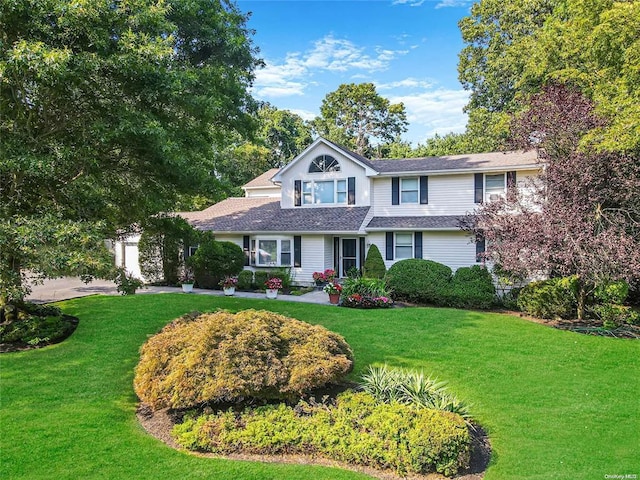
245, 280
374, 264
215, 260
417, 280
357, 429
225, 357
427, 282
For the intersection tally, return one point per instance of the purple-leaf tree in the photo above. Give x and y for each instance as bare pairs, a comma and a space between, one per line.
582, 215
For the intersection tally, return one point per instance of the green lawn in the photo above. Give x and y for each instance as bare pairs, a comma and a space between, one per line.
557, 405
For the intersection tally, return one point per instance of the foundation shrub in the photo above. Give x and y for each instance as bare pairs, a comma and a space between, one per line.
417, 280
245, 280
355, 429
374, 265
215, 260
470, 287
260, 276
550, 299
225, 357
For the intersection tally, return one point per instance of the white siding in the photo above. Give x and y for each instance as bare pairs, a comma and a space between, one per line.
300, 171
262, 192
448, 195
454, 249
237, 239
313, 258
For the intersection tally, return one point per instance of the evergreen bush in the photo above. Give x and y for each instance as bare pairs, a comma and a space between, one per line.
356, 429
225, 357
215, 260
470, 287
260, 276
550, 299
374, 264
417, 280
245, 280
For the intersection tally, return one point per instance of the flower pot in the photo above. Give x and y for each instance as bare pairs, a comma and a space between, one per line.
334, 298
187, 287
272, 293
229, 291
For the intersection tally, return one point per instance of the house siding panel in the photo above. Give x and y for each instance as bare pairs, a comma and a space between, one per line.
454, 249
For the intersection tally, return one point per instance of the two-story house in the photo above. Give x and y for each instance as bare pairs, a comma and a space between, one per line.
329, 205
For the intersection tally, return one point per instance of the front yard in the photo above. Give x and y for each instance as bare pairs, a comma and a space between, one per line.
555, 404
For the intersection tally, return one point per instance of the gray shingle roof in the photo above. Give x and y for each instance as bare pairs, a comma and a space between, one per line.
265, 215
432, 222
263, 180
476, 161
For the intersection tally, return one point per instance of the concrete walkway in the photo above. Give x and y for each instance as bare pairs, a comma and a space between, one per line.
66, 288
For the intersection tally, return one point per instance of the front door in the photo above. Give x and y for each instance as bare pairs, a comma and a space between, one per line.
349, 255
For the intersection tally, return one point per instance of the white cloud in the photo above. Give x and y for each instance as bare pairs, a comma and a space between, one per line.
410, 83
411, 3
330, 54
434, 111
453, 3
305, 114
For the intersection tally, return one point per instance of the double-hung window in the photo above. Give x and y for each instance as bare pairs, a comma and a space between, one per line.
404, 245
494, 186
409, 190
271, 252
324, 192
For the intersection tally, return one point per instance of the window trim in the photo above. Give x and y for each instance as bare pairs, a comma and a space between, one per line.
328, 164
487, 194
402, 190
396, 245
312, 191
278, 240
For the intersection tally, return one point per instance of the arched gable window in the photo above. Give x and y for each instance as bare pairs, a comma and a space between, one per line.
324, 163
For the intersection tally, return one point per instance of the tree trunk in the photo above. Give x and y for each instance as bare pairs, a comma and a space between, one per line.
581, 299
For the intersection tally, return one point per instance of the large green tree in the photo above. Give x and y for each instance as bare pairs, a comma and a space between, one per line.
355, 114
516, 47
108, 110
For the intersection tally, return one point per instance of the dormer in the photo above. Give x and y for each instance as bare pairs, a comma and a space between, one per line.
325, 175
262, 186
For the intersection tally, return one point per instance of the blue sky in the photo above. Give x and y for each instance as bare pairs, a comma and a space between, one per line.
407, 48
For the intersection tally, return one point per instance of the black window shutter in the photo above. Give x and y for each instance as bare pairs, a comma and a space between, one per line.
362, 253
479, 187
389, 245
395, 191
480, 247
351, 191
247, 250
424, 190
297, 193
511, 179
297, 251
336, 254
417, 245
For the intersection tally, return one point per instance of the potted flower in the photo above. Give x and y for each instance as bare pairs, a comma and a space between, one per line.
329, 275
319, 278
186, 279
334, 290
273, 284
228, 285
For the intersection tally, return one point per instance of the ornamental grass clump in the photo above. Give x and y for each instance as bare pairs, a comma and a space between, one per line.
224, 357
388, 385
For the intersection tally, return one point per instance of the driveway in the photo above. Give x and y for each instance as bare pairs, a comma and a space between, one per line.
69, 287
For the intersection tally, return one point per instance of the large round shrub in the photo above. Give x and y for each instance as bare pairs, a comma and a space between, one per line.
225, 357
418, 280
374, 265
471, 287
215, 260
